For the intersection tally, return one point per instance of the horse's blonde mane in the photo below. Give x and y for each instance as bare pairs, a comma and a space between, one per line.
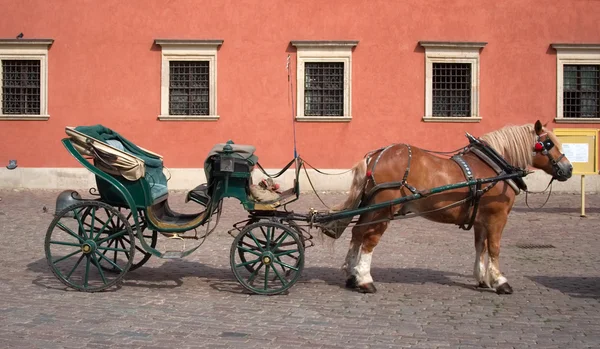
515, 143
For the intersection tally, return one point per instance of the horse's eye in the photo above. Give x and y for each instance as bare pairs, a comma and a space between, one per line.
548, 144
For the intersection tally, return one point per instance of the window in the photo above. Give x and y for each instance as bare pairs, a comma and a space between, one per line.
452, 81
24, 79
324, 80
577, 83
189, 79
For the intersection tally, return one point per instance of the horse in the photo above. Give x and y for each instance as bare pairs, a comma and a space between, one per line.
401, 169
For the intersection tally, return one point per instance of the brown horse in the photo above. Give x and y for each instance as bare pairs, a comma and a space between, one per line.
402, 170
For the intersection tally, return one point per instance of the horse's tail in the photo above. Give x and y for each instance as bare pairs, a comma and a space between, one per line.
335, 228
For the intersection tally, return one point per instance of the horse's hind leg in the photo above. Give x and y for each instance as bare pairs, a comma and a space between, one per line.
358, 259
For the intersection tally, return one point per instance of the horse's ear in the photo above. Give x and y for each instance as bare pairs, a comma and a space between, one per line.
538, 127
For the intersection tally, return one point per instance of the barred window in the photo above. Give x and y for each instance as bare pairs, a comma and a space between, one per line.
189, 91
581, 91
451, 89
324, 89
21, 87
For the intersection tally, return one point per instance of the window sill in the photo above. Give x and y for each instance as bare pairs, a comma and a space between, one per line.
577, 120
188, 117
451, 119
24, 117
323, 118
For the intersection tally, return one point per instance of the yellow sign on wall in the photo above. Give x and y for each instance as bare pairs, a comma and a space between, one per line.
580, 147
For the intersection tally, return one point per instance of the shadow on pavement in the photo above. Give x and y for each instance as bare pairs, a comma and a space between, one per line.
171, 273
574, 286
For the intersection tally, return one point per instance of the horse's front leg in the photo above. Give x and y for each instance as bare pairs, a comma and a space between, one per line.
494, 277
479, 269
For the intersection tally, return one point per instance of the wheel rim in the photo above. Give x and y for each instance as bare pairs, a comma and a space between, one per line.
78, 246
267, 257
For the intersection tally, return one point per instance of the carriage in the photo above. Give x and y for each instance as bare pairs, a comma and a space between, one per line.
92, 243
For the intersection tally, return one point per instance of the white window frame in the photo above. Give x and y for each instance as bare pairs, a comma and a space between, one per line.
188, 50
452, 52
588, 54
324, 51
27, 49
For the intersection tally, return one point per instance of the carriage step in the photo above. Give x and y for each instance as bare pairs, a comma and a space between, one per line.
172, 255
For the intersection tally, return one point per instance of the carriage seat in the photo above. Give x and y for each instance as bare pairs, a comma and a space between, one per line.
118, 156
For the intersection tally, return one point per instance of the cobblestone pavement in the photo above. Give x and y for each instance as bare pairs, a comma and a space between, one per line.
422, 270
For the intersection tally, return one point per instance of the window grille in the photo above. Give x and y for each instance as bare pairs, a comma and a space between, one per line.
451, 89
189, 88
21, 87
324, 89
581, 91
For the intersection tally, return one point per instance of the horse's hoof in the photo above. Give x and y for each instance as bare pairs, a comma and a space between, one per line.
367, 288
482, 285
351, 282
504, 289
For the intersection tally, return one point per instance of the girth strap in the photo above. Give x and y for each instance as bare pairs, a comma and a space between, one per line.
475, 191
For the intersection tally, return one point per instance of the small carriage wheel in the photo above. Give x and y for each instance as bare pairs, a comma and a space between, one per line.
275, 252
123, 242
247, 241
76, 246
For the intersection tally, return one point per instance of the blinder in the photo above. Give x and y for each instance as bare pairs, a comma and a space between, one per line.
544, 147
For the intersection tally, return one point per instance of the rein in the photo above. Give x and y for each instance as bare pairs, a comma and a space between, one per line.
539, 192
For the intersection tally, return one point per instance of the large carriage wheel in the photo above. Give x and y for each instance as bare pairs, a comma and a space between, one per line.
247, 241
275, 254
77, 246
123, 242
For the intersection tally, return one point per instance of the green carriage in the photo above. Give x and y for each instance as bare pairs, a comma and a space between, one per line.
92, 243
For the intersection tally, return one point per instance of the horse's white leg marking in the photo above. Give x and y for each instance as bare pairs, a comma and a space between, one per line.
479, 267
494, 275
363, 268
351, 258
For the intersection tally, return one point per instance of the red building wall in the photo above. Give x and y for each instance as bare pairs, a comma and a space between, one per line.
104, 68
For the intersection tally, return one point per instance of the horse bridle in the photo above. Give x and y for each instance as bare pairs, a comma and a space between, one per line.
544, 148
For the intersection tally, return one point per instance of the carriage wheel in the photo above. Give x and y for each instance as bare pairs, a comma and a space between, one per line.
248, 242
123, 242
77, 246
275, 254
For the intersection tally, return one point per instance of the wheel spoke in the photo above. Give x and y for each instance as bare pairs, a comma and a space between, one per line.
249, 251
285, 253
257, 244
87, 271
254, 274
283, 281
109, 261
124, 248
81, 226
253, 262
283, 236
112, 236
75, 267
69, 231
267, 267
285, 264
103, 227
113, 249
65, 257
92, 223
65, 243
97, 264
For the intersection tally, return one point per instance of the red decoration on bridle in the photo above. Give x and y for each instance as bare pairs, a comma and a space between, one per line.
538, 146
